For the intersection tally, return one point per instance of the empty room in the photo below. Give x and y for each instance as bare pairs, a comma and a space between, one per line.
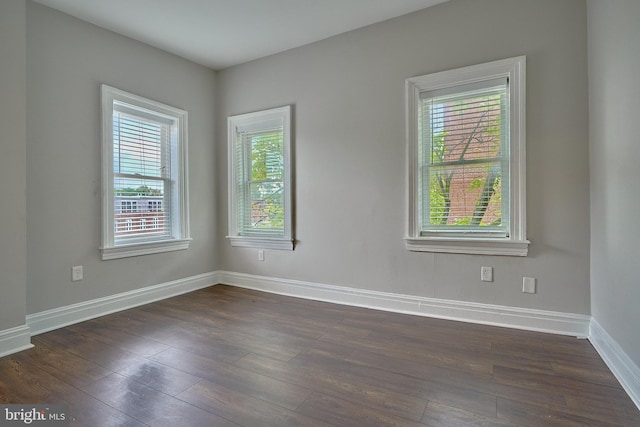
319, 213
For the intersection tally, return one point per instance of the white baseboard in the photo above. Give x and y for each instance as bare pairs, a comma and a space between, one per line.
488, 314
14, 340
18, 338
496, 315
48, 320
627, 372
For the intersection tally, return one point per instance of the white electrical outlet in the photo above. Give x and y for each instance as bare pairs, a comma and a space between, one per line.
529, 285
486, 274
260, 254
76, 273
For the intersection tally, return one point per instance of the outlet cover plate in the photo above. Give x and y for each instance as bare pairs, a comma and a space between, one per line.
486, 274
76, 273
529, 285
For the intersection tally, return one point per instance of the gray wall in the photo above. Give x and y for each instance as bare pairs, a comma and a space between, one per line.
349, 155
13, 177
348, 93
614, 66
67, 60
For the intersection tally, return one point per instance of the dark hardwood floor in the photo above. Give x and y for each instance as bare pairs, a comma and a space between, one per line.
225, 356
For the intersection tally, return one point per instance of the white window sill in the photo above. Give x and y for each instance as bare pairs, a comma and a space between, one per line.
137, 249
468, 246
261, 242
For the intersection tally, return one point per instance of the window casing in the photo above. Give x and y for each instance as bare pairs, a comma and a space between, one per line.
466, 160
260, 203
144, 176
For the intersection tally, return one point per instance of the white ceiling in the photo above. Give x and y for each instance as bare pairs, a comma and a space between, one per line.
222, 33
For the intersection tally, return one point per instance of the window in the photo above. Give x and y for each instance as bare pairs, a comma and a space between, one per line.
466, 145
144, 160
127, 206
260, 207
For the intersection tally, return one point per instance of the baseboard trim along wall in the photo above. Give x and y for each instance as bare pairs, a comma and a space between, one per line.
15, 339
579, 325
45, 321
487, 314
496, 315
627, 372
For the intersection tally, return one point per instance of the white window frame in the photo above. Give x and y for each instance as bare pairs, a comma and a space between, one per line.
179, 238
255, 122
515, 243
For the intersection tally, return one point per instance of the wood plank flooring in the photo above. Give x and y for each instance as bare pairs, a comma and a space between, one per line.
225, 356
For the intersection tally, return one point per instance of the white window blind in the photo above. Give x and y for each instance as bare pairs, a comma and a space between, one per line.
261, 184
141, 173
464, 153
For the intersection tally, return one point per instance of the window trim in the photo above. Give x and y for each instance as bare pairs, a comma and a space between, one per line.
180, 191
516, 244
256, 239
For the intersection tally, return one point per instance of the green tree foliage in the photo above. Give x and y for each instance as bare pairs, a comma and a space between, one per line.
440, 185
140, 191
267, 180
